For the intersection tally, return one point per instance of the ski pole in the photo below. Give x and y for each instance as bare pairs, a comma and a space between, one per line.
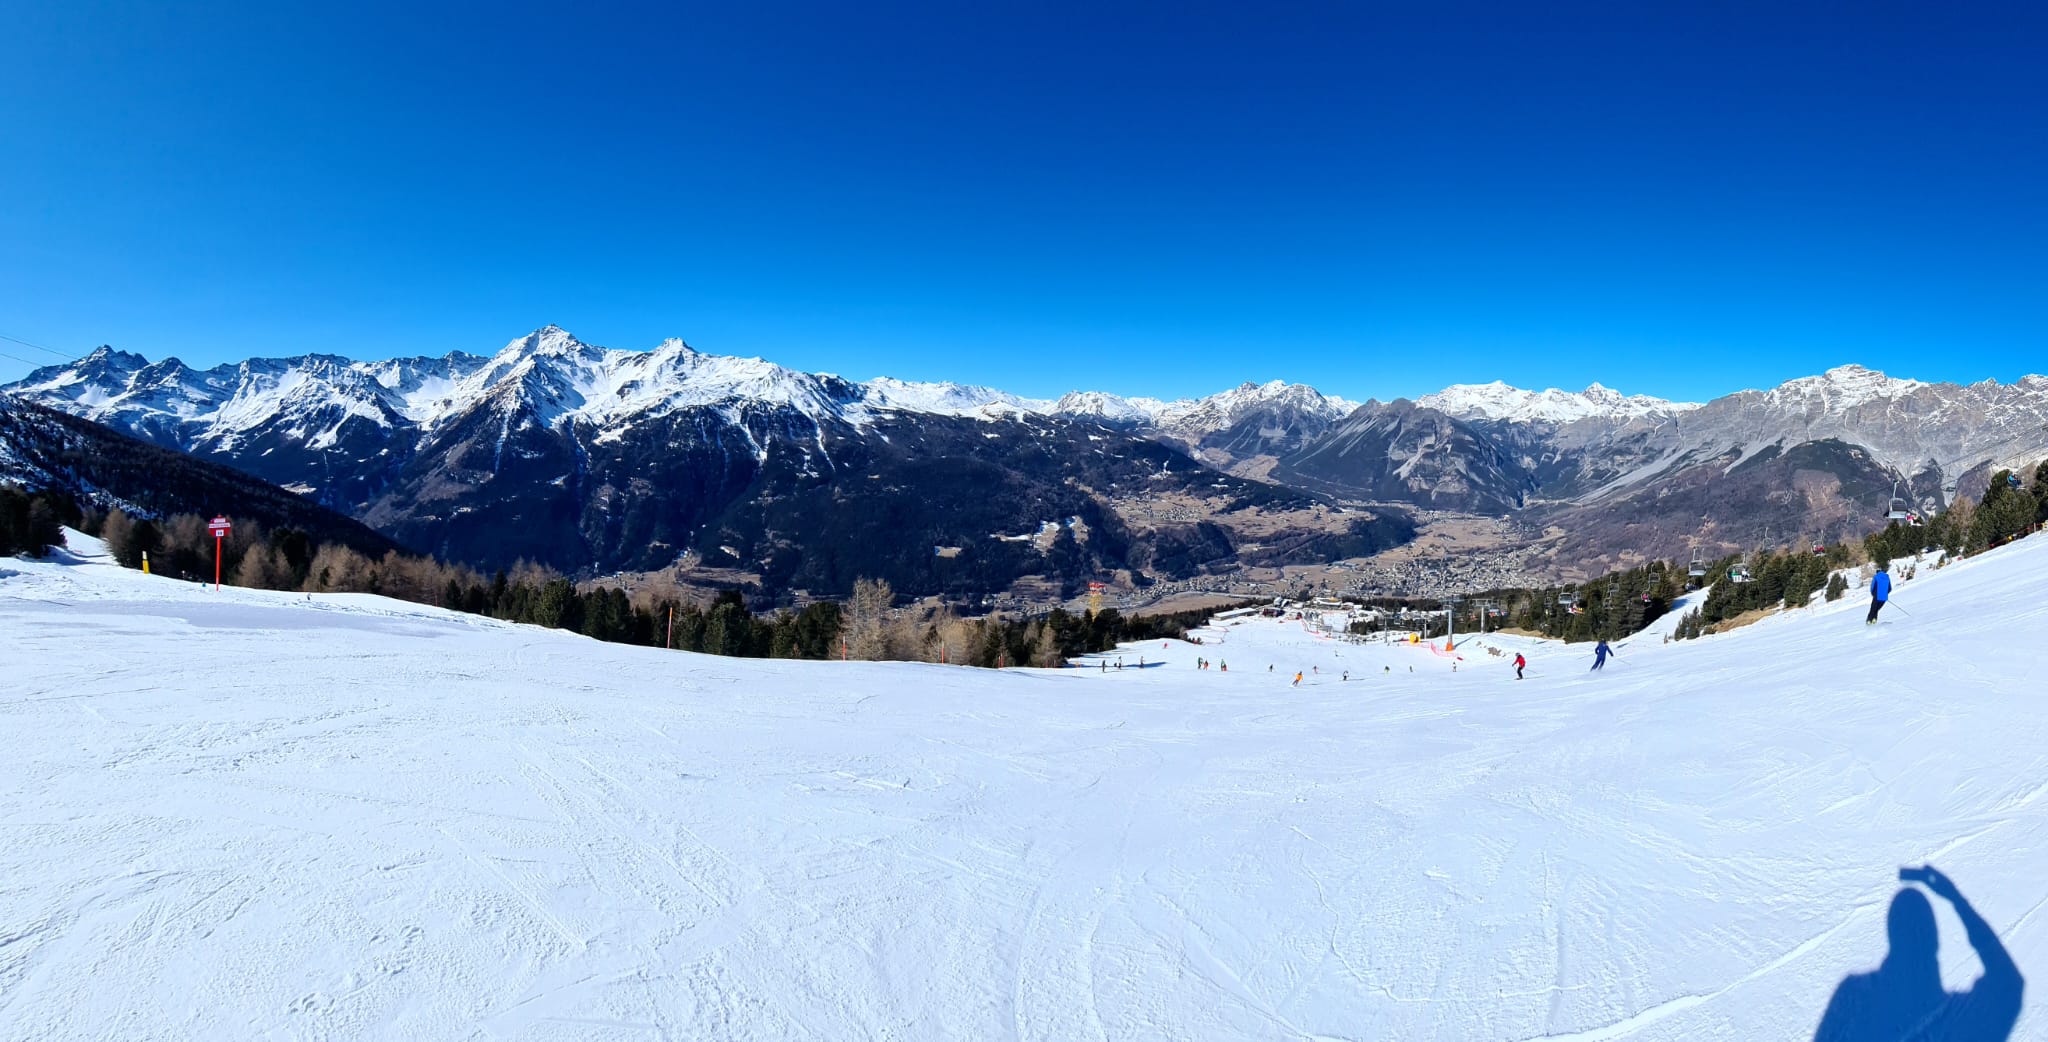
1895, 604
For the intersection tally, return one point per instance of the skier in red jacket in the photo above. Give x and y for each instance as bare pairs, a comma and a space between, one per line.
1519, 663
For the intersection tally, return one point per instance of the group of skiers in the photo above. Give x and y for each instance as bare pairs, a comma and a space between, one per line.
1601, 653
1880, 593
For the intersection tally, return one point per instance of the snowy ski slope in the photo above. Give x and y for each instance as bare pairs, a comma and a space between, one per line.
249, 815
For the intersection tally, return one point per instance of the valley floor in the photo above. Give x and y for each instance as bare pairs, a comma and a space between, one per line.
256, 815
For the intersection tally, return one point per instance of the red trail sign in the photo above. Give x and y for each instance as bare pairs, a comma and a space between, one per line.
219, 527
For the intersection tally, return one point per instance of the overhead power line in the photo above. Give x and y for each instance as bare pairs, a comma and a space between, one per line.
39, 347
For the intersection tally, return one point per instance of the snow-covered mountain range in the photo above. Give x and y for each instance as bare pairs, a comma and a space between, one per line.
573, 382
50, 449
674, 437
1498, 401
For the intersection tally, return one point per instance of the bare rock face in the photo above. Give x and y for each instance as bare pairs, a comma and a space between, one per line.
1403, 452
1817, 457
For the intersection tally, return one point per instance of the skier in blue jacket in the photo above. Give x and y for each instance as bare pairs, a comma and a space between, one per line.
1600, 654
1880, 590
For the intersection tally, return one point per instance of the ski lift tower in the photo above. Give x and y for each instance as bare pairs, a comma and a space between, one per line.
1451, 622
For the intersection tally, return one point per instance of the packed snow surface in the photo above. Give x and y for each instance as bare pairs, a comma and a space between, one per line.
245, 815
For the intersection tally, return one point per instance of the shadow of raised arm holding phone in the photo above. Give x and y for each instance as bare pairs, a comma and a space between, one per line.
1903, 998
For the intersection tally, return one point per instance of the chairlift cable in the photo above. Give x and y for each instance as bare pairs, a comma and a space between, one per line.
39, 347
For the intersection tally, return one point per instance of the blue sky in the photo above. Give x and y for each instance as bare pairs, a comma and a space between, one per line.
1378, 199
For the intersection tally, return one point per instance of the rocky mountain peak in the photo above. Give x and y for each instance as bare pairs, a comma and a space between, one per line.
549, 340
1499, 400
106, 355
1843, 387
1106, 407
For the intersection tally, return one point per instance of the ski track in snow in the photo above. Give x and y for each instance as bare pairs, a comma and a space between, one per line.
257, 815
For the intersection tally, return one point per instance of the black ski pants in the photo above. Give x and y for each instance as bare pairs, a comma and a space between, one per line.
1875, 607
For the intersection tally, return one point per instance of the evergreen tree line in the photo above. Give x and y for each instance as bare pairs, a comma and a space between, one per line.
869, 627
289, 559
1608, 607
1789, 578
2007, 510
33, 522
1777, 578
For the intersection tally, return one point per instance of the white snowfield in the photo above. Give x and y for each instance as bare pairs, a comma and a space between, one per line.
248, 815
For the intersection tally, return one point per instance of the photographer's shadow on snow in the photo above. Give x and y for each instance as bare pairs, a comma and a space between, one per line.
1903, 998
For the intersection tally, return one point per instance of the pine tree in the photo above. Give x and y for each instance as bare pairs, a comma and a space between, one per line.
45, 527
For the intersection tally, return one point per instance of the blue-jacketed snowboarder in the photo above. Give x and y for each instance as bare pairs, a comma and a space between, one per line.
1600, 653
1880, 591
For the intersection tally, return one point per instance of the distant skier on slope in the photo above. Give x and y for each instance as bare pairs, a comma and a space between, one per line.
1297, 679
1600, 653
1520, 664
1880, 591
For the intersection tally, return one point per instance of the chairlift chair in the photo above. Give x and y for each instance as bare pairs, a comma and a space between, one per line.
1739, 573
1898, 510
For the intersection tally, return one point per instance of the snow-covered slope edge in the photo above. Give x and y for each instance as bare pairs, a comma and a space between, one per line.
433, 826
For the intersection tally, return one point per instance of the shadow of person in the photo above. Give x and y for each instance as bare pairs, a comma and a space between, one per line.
1903, 998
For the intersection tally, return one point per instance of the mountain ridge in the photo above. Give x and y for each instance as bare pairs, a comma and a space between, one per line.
595, 434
